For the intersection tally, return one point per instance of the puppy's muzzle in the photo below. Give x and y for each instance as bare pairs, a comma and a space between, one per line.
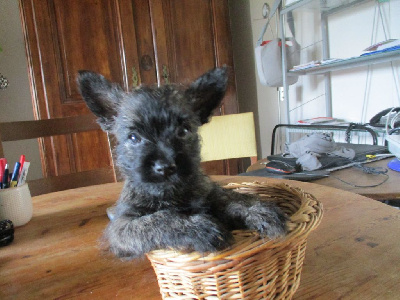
164, 169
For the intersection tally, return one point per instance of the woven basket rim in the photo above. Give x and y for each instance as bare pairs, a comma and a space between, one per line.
300, 224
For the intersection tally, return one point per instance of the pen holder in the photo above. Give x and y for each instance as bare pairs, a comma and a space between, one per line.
16, 205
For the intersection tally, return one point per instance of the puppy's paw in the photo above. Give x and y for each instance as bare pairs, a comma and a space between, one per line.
209, 236
267, 219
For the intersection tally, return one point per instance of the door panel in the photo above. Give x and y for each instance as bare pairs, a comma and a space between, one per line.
192, 37
62, 38
145, 47
192, 45
84, 41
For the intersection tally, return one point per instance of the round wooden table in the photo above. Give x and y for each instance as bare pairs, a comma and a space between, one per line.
353, 254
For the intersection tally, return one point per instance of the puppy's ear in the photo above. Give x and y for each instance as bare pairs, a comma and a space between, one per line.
101, 96
206, 93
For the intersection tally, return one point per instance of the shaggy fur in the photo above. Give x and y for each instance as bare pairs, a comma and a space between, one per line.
167, 202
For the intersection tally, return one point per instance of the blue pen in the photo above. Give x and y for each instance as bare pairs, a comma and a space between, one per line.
14, 177
5, 177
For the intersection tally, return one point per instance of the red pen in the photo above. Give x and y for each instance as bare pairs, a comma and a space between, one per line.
21, 161
3, 163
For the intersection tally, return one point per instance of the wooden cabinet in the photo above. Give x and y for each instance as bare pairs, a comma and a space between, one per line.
131, 42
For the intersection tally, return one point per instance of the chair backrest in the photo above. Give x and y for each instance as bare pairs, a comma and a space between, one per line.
288, 133
24, 130
229, 136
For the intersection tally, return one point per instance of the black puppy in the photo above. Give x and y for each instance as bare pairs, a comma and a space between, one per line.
167, 202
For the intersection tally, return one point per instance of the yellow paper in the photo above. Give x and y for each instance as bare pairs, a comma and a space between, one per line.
229, 136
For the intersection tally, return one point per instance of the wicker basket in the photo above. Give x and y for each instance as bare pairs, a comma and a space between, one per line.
253, 268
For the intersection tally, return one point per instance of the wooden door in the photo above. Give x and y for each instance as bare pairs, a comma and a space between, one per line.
130, 42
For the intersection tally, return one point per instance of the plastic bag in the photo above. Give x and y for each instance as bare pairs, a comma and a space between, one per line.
269, 61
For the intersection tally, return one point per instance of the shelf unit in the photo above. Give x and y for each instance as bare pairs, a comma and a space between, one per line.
327, 8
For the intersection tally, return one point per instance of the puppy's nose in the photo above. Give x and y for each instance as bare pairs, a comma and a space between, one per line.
164, 169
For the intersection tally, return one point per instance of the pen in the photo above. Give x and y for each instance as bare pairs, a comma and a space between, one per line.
21, 161
24, 173
3, 162
2, 165
378, 155
14, 176
5, 177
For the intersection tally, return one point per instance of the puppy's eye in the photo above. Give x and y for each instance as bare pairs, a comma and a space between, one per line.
135, 138
183, 131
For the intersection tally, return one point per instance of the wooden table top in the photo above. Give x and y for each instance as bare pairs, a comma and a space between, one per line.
353, 254
389, 190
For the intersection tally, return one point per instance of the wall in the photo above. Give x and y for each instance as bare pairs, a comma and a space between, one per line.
15, 101
351, 88
247, 22
242, 43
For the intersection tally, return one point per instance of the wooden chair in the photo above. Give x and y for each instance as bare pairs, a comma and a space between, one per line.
229, 136
24, 130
